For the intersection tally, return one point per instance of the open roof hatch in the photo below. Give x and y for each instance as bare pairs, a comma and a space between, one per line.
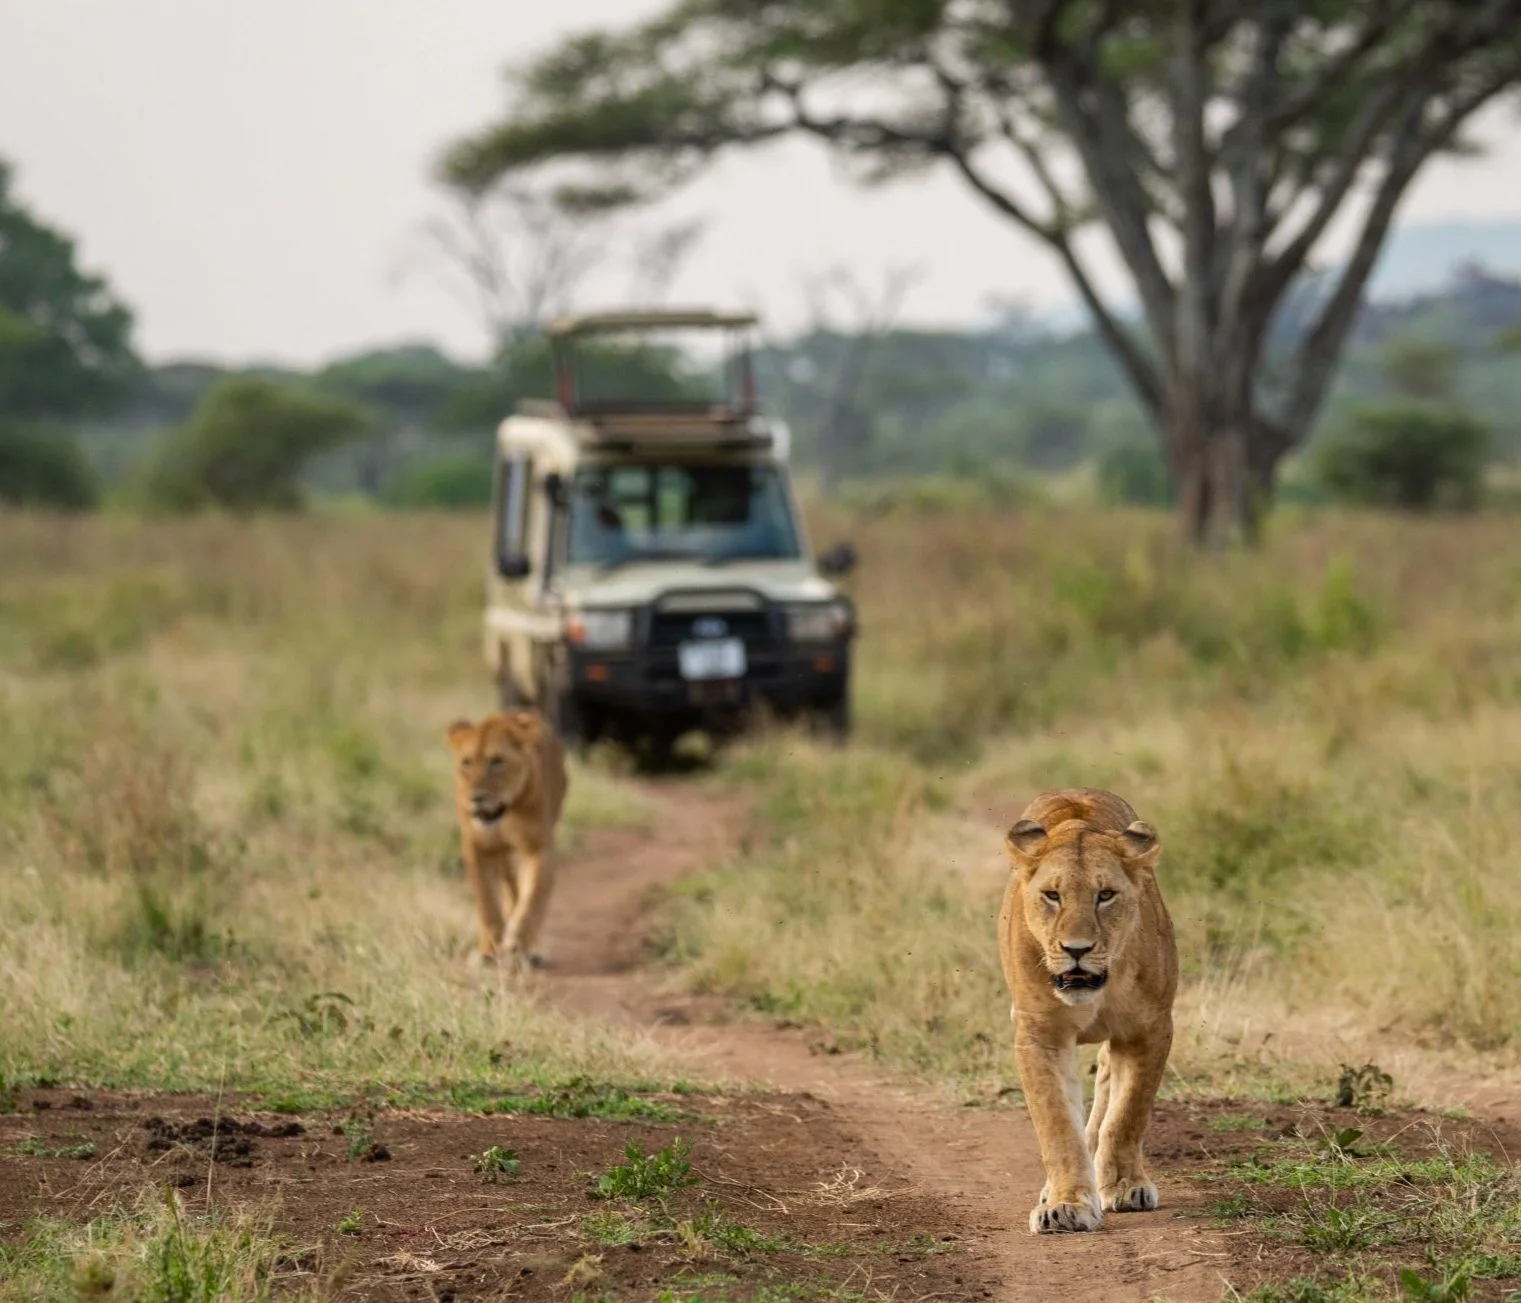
659, 377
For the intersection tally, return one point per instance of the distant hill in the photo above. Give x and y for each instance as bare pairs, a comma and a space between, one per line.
1422, 258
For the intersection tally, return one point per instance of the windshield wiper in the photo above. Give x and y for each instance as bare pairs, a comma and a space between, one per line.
723, 558
633, 558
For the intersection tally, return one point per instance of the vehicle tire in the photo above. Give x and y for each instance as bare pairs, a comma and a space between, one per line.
558, 704
833, 719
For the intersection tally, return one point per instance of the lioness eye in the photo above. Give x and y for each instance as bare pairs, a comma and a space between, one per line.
1052, 897
1105, 895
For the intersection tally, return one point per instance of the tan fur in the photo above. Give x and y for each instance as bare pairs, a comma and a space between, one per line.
1076, 844
509, 787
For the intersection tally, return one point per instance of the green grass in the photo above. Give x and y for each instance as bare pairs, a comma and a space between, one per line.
716, 1228
34, 1147
156, 1252
1389, 1226
1237, 1122
578, 1097
616, 1229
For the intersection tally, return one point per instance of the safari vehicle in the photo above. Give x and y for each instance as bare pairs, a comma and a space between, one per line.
650, 572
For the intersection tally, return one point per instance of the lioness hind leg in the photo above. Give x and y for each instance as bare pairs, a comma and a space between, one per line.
1136, 1073
1100, 1105
1053, 1093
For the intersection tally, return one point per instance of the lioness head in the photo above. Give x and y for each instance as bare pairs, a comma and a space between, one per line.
1082, 890
493, 763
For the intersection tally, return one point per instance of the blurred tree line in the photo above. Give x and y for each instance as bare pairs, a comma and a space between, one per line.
1422, 406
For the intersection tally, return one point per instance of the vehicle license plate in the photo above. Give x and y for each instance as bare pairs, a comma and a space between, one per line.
712, 658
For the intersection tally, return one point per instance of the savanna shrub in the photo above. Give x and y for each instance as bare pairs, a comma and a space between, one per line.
1135, 474
1409, 455
457, 482
245, 446
41, 468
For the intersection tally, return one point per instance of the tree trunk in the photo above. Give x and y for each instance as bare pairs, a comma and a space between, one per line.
1224, 476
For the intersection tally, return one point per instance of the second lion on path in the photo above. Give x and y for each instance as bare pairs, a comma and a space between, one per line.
1088, 951
509, 789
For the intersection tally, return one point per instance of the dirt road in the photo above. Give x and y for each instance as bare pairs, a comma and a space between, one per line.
983, 1165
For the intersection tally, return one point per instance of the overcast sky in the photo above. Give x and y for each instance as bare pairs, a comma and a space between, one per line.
252, 177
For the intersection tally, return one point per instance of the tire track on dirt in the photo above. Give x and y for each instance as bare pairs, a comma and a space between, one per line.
983, 1165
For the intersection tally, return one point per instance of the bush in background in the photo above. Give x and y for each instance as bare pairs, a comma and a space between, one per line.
40, 468
244, 447
458, 482
1136, 475
1407, 455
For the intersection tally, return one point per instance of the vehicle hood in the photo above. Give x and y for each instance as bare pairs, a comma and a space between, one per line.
630, 585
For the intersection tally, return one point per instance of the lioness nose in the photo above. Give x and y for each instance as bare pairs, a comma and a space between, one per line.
1077, 952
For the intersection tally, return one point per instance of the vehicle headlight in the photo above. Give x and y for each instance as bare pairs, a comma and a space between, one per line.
824, 622
600, 630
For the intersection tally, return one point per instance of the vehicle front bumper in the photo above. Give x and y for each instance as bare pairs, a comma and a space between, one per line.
648, 681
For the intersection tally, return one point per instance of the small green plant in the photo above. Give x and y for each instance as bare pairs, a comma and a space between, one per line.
359, 1131
1367, 1089
352, 1222
647, 1175
1449, 1288
496, 1163
1341, 1146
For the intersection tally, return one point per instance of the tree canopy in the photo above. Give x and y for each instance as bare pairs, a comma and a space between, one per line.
65, 339
1214, 141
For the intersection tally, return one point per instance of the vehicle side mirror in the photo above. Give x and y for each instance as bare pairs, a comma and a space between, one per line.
516, 566
839, 560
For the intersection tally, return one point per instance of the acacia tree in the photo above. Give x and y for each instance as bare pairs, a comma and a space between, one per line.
1215, 141
514, 254
520, 254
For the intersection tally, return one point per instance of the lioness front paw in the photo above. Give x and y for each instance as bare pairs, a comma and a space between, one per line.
1049, 1218
1130, 1197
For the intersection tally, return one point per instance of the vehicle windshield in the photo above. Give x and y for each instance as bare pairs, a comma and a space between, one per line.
712, 514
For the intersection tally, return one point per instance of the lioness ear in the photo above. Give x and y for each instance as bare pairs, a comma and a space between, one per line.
1139, 844
1024, 841
458, 732
529, 723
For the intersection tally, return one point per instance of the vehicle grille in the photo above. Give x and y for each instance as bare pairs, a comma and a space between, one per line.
667, 628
